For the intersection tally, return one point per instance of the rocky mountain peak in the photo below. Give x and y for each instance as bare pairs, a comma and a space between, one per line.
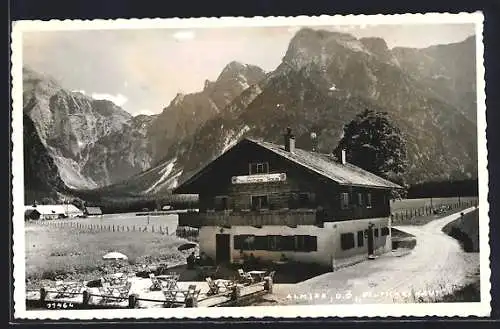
236, 72
107, 108
179, 97
319, 47
375, 45
186, 113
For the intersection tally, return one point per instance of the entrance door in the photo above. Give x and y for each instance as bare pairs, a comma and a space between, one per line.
222, 248
370, 240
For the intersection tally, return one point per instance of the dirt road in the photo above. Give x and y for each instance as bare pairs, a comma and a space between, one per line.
436, 267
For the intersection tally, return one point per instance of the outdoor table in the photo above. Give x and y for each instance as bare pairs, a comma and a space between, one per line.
168, 281
258, 274
167, 277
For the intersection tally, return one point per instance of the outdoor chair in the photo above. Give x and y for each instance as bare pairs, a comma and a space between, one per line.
105, 291
124, 290
245, 277
170, 296
67, 289
213, 288
192, 292
169, 285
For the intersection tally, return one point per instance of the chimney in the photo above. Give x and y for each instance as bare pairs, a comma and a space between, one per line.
289, 140
343, 157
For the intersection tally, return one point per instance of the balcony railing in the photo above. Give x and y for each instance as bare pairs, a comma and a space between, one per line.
250, 218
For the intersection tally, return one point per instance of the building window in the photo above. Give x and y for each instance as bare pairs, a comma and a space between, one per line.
302, 243
221, 203
347, 241
244, 242
306, 243
274, 242
360, 199
375, 232
287, 243
368, 200
259, 168
361, 238
344, 200
384, 231
260, 202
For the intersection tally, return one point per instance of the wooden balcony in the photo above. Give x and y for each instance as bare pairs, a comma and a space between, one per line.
226, 218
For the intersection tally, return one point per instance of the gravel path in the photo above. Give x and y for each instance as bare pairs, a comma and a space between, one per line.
435, 267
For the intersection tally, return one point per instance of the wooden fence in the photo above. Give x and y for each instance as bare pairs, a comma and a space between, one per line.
185, 232
188, 233
95, 228
232, 297
407, 214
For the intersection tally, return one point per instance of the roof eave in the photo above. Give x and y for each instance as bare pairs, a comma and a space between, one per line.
373, 186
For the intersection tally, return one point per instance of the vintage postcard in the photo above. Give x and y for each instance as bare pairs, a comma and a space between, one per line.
328, 166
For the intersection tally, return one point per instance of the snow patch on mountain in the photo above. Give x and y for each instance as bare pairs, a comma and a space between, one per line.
164, 172
233, 137
70, 173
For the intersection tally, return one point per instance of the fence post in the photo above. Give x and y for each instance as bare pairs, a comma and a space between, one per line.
191, 301
85, 298
132, 301
235, 293
43, 294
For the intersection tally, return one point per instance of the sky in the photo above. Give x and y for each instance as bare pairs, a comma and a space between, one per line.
143, 70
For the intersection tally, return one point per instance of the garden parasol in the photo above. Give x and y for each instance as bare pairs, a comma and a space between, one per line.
114, 256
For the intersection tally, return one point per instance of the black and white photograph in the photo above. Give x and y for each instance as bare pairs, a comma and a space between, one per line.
285, 166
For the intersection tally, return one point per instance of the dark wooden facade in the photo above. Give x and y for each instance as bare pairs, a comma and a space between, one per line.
304, 198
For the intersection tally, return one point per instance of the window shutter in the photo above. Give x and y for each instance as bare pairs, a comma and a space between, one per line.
361, 239
311, 243
238, 242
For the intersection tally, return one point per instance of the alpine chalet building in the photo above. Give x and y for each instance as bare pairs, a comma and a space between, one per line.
276, 201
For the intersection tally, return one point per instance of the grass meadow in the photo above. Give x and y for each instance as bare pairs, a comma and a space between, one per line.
402, 205
70, 253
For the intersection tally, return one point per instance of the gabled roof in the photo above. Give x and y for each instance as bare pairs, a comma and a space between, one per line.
327, 166
319, 163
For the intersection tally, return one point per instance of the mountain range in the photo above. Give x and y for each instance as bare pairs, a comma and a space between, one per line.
74, 142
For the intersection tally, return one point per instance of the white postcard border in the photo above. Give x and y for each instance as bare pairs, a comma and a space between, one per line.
313, 311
